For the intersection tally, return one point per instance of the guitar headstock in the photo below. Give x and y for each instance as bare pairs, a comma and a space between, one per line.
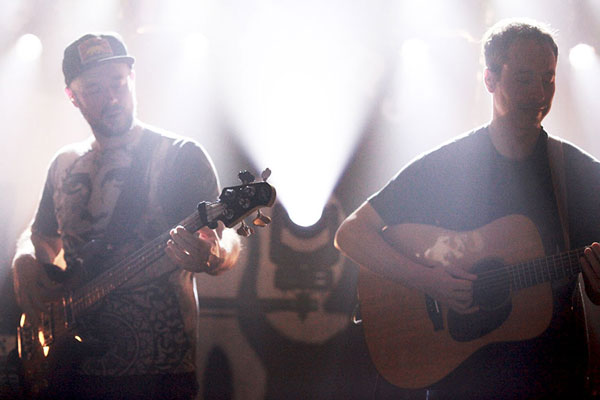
237, 202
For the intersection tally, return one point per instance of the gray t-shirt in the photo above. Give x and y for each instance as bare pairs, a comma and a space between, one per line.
148, 323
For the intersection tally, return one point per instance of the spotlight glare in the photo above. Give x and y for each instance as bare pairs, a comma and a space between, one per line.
195, 47
29, 47
305, 214
305, 96
415, 54
582, 56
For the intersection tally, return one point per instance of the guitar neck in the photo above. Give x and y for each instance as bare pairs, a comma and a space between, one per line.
235, 203
537, 271
98, 288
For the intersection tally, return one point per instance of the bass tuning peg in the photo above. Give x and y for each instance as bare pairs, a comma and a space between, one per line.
265, 174
246, 177
244, 230
261, 220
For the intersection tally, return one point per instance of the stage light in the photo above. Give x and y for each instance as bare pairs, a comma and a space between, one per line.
193, 59
195, 47
582, 56
298, 100
415, 55
29, 47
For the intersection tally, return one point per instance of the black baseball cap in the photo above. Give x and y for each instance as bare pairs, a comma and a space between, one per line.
91, 50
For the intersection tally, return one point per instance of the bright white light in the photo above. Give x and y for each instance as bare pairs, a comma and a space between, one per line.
195, 47
582, 56
193, 62
29, 47
298, 99
415, 54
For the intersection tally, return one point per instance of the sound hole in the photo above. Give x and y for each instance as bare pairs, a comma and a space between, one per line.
491, 291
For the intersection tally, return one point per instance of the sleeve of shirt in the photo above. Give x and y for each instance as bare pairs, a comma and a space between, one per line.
406, 197
191, 180
438, 185
45, 222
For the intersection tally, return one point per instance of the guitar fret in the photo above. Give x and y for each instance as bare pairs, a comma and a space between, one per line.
541, 267
513, 277
556, 269
561, 268
528, 280
517, 279
546, 269
533, 269
560, 272
97, 289
226, 210
547, 272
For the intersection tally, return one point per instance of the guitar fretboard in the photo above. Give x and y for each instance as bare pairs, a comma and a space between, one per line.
534, 272
98, 288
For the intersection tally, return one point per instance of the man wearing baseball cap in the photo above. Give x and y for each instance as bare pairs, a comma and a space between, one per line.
105, 199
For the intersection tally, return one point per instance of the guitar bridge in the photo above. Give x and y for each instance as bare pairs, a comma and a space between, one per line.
435, 313
68, 316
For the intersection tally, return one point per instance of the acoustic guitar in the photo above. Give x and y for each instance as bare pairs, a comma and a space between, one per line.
414, 341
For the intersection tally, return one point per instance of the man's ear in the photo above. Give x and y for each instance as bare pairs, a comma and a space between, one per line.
72, 96
490, 79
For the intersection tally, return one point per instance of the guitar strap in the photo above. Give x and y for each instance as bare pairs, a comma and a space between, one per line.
557, 170
133, 197
580, 301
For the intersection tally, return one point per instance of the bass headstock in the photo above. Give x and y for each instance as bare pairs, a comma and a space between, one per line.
237, 202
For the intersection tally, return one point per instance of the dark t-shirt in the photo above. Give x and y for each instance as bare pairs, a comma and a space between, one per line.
467, 184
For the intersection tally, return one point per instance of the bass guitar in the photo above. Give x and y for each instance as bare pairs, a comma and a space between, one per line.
49, 349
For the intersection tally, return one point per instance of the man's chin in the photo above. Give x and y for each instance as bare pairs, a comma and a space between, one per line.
113, 130
108, 132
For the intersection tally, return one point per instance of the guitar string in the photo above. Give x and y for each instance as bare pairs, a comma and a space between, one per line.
96, 289
88, 294
527, 273
155, 246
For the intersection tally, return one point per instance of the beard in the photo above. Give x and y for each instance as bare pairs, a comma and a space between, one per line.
115, 121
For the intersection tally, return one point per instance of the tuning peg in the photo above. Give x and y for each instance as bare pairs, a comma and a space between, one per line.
265, 174
246, 177
244, 230
261, 220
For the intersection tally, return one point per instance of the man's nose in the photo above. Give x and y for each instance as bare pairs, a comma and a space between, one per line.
538, 91
111, 95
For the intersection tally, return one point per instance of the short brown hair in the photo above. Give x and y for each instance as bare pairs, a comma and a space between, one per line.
497, 40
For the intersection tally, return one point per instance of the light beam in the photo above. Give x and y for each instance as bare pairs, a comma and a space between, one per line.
298, 97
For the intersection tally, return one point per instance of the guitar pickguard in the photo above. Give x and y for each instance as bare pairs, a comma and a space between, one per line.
493, 300
468, 327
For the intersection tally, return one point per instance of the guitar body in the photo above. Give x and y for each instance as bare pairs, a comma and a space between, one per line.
414, 346
43, 371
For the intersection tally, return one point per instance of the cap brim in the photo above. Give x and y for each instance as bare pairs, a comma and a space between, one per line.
126, 59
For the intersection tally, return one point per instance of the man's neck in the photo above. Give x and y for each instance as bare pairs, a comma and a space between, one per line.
512, 142
107, 143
